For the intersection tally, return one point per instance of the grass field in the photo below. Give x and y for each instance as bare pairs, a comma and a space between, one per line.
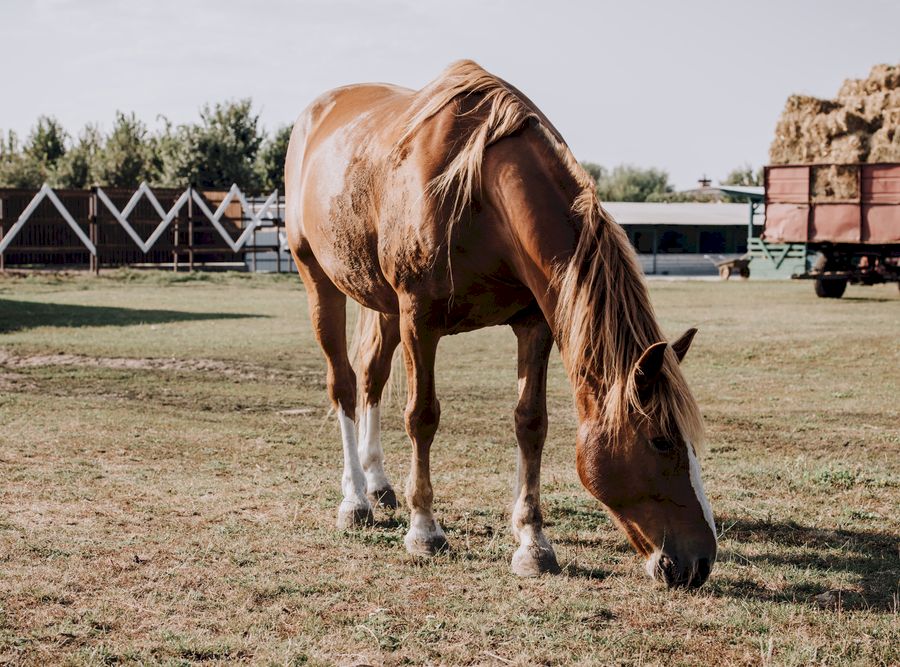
169, 478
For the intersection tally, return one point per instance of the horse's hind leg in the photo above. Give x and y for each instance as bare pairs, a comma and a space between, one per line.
327, 310
425, 536
379, 335
534, 555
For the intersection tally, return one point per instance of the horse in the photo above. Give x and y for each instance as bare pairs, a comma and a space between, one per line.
458, 207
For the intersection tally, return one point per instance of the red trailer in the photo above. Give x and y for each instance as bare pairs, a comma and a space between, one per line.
848, 215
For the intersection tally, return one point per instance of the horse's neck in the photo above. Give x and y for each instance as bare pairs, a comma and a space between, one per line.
552, 251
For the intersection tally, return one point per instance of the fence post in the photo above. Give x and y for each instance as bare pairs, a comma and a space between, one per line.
92, 230
190, 230
190, 203
175, 248
278, 221
2, 231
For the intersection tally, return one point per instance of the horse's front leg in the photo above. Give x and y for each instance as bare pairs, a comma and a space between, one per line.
425, 536
534, 555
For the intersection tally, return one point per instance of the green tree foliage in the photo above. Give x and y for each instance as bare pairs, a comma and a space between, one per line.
270, 163
226, 146
31, 165
218, 151
595, 171
47, 143
629, 183
125, 158
744, 175
635, 184
17, 170
75, 169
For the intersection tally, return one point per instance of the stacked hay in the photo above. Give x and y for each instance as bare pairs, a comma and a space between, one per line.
861, 125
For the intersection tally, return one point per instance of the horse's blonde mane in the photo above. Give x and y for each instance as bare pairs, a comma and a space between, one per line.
604, 317
503, 113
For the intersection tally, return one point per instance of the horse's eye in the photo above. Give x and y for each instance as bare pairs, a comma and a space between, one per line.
662, 444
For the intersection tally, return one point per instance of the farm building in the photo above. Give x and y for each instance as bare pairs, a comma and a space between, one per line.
680, 238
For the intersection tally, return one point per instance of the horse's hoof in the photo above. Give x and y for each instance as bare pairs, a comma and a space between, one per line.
354, 516
533, 561
426, 545
384, 498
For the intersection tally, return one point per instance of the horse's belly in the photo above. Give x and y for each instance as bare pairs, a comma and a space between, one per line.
471, 311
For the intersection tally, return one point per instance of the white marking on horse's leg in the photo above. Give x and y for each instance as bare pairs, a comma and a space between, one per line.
697, 484
355, 508
425, 536
371, 455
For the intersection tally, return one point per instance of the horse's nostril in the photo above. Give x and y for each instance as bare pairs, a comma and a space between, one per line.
701, 572
669, 570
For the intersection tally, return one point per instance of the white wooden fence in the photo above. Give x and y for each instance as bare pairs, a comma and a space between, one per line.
259, 213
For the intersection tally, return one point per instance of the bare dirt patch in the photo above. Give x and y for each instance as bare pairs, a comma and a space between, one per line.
232, 369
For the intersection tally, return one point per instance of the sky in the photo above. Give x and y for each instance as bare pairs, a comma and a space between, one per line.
691, 87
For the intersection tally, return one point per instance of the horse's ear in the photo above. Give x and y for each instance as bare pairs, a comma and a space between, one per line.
682, 345
649, 366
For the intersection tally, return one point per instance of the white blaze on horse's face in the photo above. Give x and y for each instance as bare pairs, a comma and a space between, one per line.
697, 484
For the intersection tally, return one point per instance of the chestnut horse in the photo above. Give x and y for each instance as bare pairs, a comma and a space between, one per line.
458, 207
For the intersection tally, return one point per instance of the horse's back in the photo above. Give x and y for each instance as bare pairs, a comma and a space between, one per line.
333, 177
340, 111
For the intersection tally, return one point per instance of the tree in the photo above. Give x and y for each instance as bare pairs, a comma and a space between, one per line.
32, 164
270, 163
594, 170
17, 170
76, 168
215, 153
744, 175
47, 143
125, 158
630, 183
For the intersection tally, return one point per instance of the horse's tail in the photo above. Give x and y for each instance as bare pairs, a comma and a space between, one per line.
366, 332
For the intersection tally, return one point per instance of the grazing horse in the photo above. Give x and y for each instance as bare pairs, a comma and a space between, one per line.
458, 207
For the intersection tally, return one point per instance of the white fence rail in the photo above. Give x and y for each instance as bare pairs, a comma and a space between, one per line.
192, 206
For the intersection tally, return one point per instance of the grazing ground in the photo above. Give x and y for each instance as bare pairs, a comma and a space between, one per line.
169, 478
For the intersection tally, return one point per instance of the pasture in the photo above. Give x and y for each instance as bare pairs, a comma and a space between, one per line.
169, 478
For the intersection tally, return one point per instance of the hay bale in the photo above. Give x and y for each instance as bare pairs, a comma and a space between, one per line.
813, 130
862, 124
880, 79
835, 183
884, 145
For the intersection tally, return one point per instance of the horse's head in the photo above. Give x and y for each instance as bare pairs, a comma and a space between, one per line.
649, 478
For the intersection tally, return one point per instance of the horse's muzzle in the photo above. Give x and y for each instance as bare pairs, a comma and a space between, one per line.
680, 575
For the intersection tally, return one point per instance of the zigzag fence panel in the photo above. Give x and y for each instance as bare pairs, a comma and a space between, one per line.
165, 228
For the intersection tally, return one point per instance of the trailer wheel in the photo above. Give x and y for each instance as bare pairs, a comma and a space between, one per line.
832, 288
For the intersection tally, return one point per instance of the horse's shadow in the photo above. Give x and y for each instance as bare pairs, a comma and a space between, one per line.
870, 558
